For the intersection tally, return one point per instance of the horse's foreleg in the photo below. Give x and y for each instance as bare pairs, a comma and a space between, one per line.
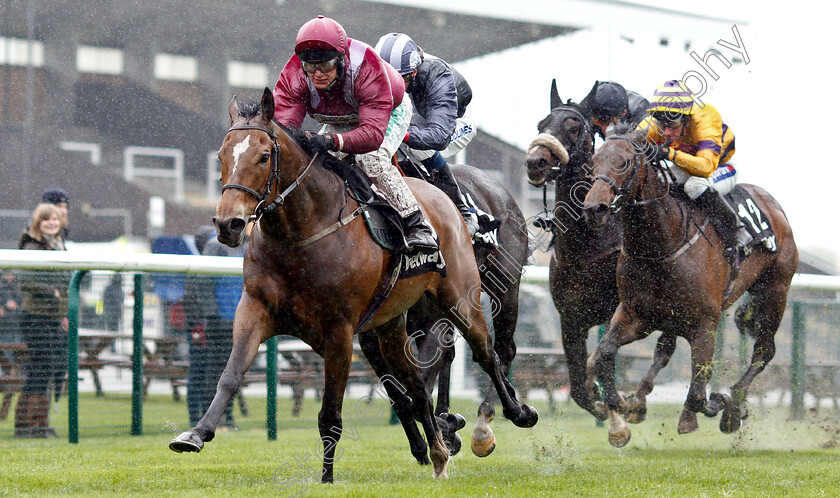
392, 343
251, 326
338, 354
624, 328
580, 385
702, 354
665, 347
399, 400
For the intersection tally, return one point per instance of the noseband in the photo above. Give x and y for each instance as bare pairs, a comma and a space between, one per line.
273, 177
577, 154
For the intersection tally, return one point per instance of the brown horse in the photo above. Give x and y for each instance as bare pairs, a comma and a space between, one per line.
311, 270
582, 267
672, 276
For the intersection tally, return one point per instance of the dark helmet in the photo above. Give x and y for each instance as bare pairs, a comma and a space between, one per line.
320, 40
400, 51
55, 196
609, 101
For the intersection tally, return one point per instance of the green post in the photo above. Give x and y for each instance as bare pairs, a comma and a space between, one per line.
73, 357
797, 363
271, 388
137, 360
718, 360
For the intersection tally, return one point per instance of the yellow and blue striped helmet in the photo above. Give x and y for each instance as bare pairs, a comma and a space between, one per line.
672, 98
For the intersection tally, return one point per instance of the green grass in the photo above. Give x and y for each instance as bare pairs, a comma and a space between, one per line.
564, 455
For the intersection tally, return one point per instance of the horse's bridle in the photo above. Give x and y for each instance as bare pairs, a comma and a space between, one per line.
273, 176
576, 155
629, 184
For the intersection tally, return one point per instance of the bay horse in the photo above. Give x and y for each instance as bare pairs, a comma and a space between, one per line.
583, 260
672, 276
311, 269
500, 269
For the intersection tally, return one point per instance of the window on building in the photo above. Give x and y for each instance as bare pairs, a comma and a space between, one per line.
247, 74
15, 52
176, 67
99, 60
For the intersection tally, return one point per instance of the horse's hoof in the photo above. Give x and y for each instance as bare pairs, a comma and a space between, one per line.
527, 416
730, 419
452, 442
620, 438
440, 475
456, 420
687, 426
186, 441
636, 417
482, 448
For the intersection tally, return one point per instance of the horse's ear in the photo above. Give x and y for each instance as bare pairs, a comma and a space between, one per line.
233, 108
556, 101
267, 104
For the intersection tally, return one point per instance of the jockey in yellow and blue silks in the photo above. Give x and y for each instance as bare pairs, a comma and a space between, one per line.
694, 137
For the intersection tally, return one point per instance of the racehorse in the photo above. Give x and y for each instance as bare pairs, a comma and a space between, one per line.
582, 267
500, 268
311, 270
672, 276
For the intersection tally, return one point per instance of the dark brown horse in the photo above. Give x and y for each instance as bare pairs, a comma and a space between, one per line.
582, 267
501, 270
311, 270
672, 276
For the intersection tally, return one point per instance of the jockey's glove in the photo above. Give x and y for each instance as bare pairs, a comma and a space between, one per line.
662, 152
322, 142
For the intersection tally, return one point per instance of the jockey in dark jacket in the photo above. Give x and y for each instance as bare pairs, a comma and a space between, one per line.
438, 127
610, 105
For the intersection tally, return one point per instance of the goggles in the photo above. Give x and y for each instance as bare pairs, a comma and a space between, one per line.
324, 67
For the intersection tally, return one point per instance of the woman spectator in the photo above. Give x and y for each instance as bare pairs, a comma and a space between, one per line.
43, 325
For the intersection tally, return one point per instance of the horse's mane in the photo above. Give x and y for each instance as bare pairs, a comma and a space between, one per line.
249, 108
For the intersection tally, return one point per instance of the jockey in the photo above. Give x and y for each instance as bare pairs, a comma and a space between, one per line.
694, 137
438, 127
611, 106
344, 85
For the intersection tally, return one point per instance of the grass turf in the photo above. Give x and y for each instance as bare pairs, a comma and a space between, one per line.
566, 454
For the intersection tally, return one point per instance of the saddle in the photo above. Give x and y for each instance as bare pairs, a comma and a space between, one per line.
383, 221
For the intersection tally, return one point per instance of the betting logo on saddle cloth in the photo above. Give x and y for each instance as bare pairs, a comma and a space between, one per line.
753, 218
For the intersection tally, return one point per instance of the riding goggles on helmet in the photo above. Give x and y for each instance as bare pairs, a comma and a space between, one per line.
324, 67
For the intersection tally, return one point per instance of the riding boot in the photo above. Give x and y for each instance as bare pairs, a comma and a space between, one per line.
445, 181
418, 232
732, 232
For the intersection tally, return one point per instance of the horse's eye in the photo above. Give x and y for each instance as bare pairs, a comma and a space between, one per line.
265, 157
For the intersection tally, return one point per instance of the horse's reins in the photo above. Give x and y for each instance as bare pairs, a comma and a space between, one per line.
273, 176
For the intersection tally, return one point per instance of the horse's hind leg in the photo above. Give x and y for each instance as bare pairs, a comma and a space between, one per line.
250, 328
665, 347
504, 325
462, 309
400, 401
759, 316
392, 342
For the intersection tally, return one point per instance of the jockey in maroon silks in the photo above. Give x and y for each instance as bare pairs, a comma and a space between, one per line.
358, 98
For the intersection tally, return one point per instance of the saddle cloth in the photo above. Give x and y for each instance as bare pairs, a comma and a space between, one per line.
753, 218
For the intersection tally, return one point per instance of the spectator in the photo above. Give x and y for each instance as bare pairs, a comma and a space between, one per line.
10, 300
43, 325
197, 298
60, 199
112, 302
225, 295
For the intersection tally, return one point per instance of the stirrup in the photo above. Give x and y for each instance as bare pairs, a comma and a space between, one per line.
471, 219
